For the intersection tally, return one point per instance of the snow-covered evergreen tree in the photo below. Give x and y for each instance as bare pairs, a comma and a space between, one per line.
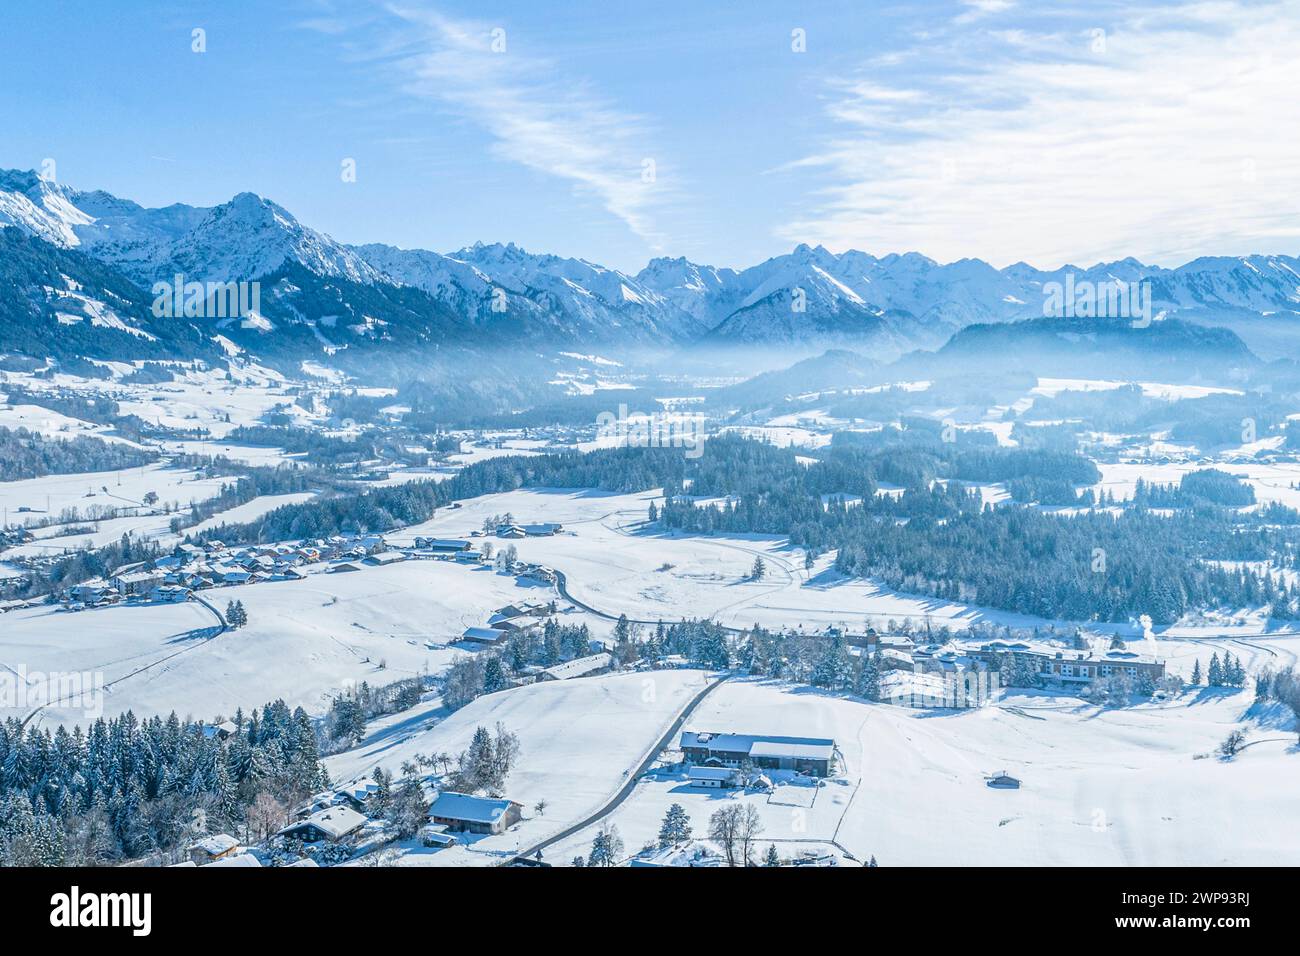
676, 826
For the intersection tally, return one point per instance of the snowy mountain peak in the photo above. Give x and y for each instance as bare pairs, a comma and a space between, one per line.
809, 294
245, 238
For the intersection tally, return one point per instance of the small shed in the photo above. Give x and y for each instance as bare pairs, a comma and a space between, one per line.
714, 778
1003, 781
435, 836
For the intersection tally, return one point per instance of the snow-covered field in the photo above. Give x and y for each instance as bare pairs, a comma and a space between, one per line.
303, 641
51, 424
615, 565
250, 511
214, 399
577, 741
1100, 787
1051, 387
254, 455
143, 525
1271, 481
46, 497
1131, 786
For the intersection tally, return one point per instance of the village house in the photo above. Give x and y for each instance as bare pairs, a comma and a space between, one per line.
689, 854
220, 731
92, 592
189, 552
462, 811
169, 593
522, 609
714, 778
809, 755
320, 801
504, 615
486, 636
517, 625
543, 529
539, 530
136, 583
332, 824
212, 848
14, 605
199, 578
578, 667
359, 795
539, 572
286, 573
442, 545
385, 558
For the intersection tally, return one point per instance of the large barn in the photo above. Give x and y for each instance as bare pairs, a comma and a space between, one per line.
811, 755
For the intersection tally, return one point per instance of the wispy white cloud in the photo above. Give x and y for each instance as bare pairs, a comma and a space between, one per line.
1162, 132
536, 115
982, 8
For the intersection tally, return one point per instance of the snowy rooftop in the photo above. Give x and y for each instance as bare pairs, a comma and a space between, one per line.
578, 666
336, 821
462, 806
710, 773
815, 748
1065, 653
215, 844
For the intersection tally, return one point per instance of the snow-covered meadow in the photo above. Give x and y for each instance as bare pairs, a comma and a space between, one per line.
578, 741
305, 640
1123, 787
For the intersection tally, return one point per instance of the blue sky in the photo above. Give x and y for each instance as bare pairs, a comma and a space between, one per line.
1007, 131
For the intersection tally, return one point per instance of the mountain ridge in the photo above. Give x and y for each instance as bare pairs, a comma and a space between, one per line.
810, 297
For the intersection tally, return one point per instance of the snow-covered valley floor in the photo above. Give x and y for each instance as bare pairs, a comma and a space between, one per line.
578, 740
1133, 786
304, 639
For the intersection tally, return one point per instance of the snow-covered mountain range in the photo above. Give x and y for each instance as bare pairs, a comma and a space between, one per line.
809, 297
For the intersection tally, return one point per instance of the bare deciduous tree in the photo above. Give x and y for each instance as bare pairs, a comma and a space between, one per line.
724, 830
266, 815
